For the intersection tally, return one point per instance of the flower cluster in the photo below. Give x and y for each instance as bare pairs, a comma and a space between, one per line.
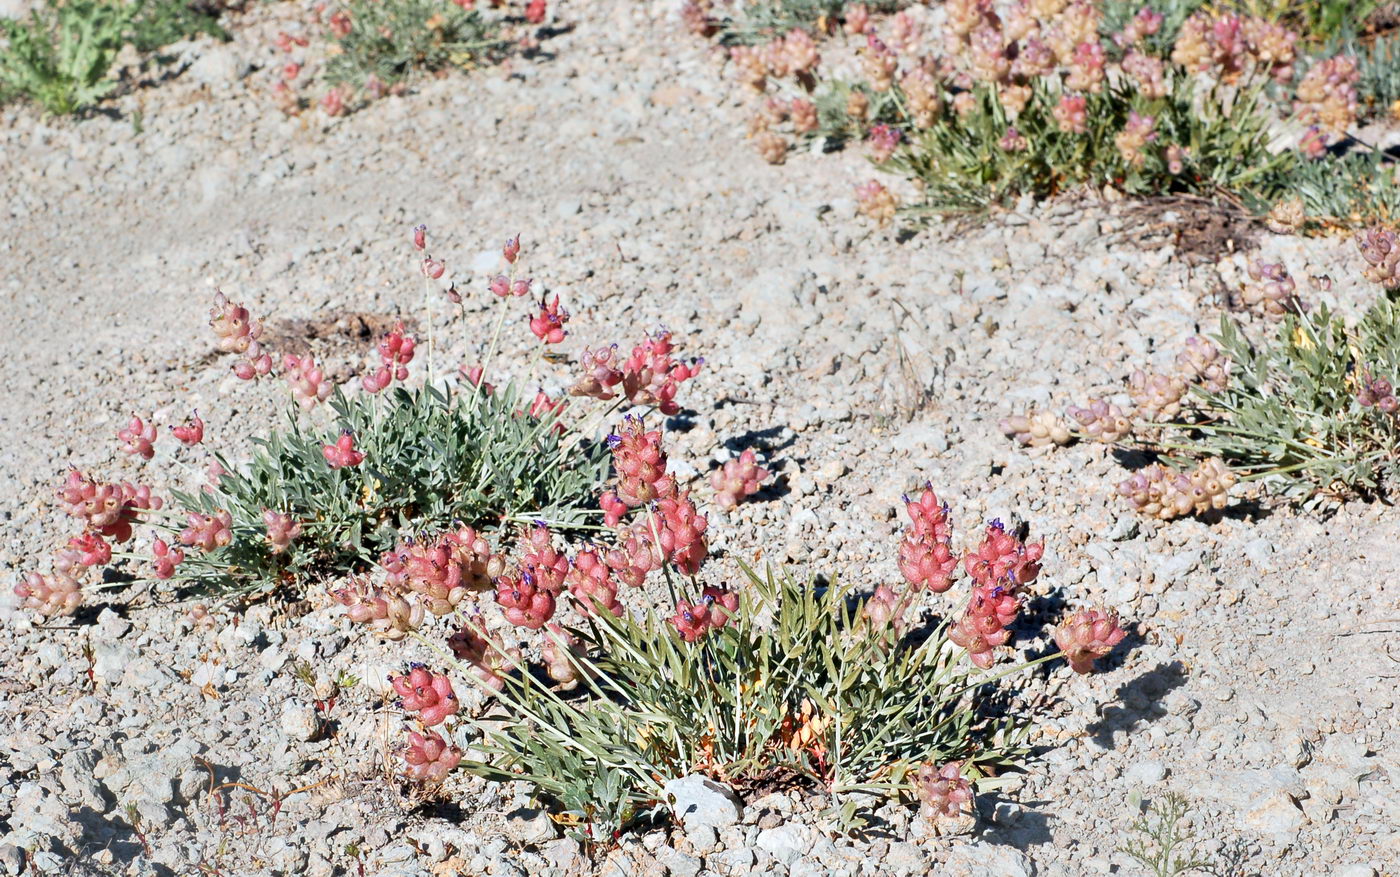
1376, 392
926, 558
650, 376
999, 568
443, 571
1327, 95
138, 438
1101, 421
525, 601
1165, 493
428, 694
1201, 363
712, 611
191, 432
110, 509
281, 529
1380, 248
395, 353
387, 613
1157, 396
1273, 289
307, 380
548, 324
428, 758
875, 202
737, 479
207, 532
342, 454
1035, 429
58, 594
489, 661
943, 791
239, 333
640, 463
165, 558
1088, 635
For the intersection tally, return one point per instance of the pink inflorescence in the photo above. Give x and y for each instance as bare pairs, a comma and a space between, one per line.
943, 791
1376, 392
395, 353
640, 463
58, 594
592, 585
343, 454
388, 615
207, 532
490, 662
999, 568
443, 571
110, 509
682, 531
715, 608
1088, 635
1380, 248
1327, 95
83, 551
548, 324
281, 529
428, 694
651, 375
191, 433
165, 557
926, 559
307, 380
239, 333
138, 438
737, 479
524, 601
428, 758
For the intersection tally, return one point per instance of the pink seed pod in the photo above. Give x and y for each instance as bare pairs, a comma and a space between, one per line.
682, 532
1158, 397
420, 237
541, 560
307, 380
1035, 429
926, 563
1273, 292
943, 791
1088, 635
165, 558
490, 662
614, 509
548, 324
929, 518
591, 584
857, 19
444, 571
1002, 559
875, 202
883, 141
54, 595
388, 615
1163, 493
737, 479
138, 438
636, 554
1072, 114
885, 608
431, 696
433, 269
395, 353
428, 759
342, 454
511, 251
500, 286
599, 374
207, 532
640, 463
82, 552
333, 101
979, 633
191, 433
239, 333
281, 530
521, 288
562, 654
712, 611
110, 509
340, 24
1201, 363
651, 376
1101, 421
1380, 247
523, 601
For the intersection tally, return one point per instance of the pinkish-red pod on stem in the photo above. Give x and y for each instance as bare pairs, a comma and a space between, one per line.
428, 694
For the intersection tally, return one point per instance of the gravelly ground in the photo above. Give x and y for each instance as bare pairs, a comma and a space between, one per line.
1258, 682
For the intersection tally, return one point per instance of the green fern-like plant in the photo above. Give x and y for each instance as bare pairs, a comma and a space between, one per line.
432, 458
60, 56
1161, 840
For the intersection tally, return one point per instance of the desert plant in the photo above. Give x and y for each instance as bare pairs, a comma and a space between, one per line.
1200, 143
753, 21
1352, 190
1160, 840
379, 43
430, 457
60, 56
158, 23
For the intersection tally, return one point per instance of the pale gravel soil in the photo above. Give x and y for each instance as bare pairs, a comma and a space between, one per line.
1258, 682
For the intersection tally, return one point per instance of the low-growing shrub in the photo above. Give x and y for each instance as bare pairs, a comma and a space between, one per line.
60, 56
384, 41
158, 23
1307, 409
